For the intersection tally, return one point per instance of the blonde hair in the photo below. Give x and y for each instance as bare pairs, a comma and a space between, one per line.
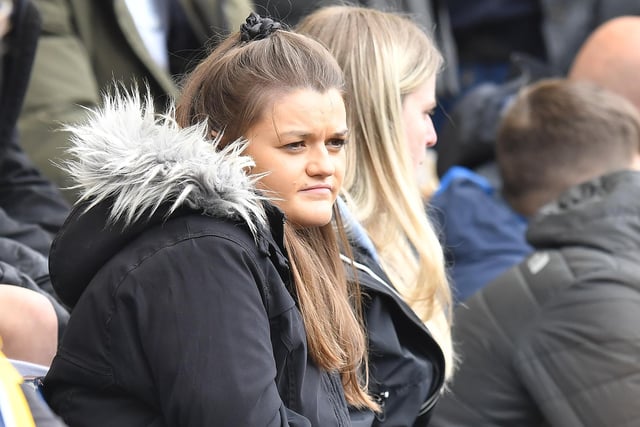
230, 91
385, 57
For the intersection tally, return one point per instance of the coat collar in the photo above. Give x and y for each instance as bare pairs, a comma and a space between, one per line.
602, 213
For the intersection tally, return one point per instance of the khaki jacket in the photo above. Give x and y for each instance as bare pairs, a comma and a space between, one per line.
85, 45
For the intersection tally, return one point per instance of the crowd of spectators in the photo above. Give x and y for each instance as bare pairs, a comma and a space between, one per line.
149, 267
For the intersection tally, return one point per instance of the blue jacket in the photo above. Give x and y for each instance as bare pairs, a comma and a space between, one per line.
481, 235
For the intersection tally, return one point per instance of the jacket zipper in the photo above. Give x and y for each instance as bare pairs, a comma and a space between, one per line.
429, 403
371, 273
381, 397
381, 400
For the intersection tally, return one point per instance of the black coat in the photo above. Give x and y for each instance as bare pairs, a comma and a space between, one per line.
184, 318
406, 364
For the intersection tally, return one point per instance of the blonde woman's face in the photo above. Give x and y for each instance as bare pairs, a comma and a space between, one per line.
417, 108
299, 143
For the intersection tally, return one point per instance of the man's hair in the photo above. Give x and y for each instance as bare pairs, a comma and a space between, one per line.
558, 133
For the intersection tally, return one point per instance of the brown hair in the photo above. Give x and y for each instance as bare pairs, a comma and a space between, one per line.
230, 91
558, 133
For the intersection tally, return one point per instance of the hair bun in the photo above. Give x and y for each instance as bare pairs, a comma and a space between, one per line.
256, 27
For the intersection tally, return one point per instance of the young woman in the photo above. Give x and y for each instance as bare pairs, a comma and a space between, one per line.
390, 67
214, 294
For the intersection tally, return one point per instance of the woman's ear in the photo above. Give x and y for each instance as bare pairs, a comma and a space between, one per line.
214, 134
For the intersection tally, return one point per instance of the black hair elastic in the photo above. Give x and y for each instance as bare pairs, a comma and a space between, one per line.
257, 28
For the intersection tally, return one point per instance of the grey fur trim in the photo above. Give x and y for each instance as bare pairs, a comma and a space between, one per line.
125, 151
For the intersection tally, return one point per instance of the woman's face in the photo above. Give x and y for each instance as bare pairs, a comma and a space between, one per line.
299, 142
417, 108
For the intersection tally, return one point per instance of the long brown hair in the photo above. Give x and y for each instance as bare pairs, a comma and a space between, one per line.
230, 90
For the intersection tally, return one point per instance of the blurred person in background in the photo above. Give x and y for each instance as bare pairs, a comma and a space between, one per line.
88, 45
31, 208
553, 341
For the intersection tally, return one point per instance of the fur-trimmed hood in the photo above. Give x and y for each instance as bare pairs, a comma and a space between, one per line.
133, 170
139, 160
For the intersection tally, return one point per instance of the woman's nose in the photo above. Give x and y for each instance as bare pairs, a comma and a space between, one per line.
432, 136
320, 162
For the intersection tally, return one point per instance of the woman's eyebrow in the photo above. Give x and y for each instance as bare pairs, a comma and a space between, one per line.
306, 134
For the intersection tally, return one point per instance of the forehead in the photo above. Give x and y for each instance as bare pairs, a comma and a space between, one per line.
306, 108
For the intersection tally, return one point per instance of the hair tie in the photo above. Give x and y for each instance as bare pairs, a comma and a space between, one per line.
257, 28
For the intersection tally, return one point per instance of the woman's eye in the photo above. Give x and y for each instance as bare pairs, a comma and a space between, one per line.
336, 143
295, 146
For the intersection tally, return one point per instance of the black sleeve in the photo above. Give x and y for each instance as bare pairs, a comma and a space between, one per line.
26, 195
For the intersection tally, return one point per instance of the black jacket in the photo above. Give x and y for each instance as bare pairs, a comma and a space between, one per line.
31, 207
555, 341
185, 316
406, 365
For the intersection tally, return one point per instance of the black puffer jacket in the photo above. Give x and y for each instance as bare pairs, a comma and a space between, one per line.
182, 317
555, 341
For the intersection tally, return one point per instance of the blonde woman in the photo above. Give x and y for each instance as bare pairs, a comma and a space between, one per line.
390, 68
